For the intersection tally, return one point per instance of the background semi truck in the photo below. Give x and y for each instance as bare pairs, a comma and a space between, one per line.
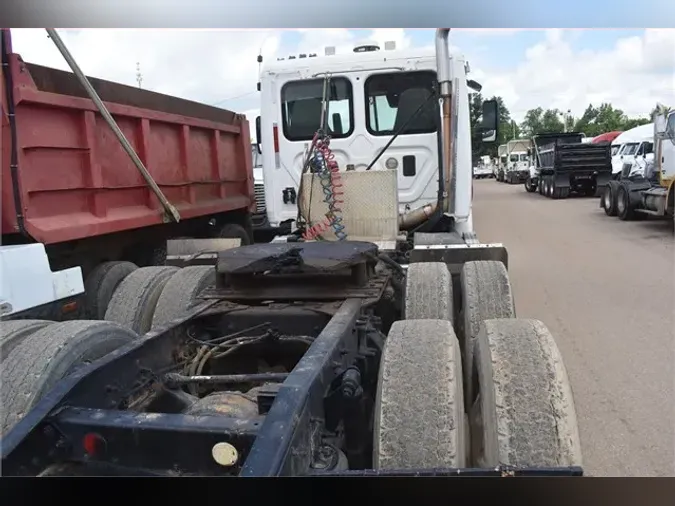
69, 185
517, 167
646, 184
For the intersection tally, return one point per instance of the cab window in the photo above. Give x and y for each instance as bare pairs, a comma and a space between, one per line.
301, 103
514, 158
630, 149
670, 127
393, 98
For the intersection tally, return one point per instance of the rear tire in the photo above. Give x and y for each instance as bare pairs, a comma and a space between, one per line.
13, 333
101, 284
181, 291
608, 201
234, 231
49, 355
624, 209
428, 292
524, 415
486, 295
133, 303
419, 406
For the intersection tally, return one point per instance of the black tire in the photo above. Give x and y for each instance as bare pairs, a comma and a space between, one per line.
529, 187
428, 292
625, 211
13, 332
486, 295
49, 355
608, 200
133, 303
181, 291
419, 406
234, 231
100, 286
524, 415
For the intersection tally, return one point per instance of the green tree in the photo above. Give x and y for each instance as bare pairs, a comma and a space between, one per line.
551, 121
540, 120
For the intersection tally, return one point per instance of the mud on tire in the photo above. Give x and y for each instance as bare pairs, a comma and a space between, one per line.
419, 408
35, 365
133, 303
428, 292
524, 415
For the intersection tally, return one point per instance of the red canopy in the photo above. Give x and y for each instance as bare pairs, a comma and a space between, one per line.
606, 137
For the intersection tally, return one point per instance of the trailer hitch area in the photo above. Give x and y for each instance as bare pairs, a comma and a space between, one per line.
456, 255
184, 252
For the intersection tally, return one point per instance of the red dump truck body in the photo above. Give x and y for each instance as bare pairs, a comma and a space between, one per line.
70, 178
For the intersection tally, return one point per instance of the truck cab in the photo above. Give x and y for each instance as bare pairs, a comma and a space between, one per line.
372, 94
634, 145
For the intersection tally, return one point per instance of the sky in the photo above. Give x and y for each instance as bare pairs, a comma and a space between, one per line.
553, 68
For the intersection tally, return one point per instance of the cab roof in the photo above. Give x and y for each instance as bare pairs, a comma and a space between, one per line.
372, 59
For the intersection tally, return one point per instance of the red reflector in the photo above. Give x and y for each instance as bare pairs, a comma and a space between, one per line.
69, 307
93, 443
275, 132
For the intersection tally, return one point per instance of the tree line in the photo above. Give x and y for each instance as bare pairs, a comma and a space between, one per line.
594, 121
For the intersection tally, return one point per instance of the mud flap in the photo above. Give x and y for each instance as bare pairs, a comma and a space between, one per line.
456, 255
602, 180
562, 180
184, 252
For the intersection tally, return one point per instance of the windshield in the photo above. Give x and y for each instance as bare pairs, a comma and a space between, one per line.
513, 158
630, 149
523, 158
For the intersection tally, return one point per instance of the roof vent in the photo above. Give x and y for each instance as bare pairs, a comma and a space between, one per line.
303, 55
291, 57
330, 50
366, 48
390, 45
312, 55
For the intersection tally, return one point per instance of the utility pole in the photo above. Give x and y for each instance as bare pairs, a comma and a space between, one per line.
139, 76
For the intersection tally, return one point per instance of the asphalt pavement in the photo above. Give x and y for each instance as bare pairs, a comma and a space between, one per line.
606, 290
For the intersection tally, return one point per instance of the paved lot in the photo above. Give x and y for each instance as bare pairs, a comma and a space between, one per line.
606, 290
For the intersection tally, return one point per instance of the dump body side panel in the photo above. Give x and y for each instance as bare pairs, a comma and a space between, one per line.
74, 179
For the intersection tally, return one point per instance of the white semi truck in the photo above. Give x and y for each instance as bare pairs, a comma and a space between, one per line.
645, 183
517, 167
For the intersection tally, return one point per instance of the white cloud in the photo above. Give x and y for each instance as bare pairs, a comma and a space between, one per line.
633, 75
220, 67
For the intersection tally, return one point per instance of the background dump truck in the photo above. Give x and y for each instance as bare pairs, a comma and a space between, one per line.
644, 187
69, 185
564, 164
517, 168
396, 353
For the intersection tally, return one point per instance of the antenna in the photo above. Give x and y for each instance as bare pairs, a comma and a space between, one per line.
139, 76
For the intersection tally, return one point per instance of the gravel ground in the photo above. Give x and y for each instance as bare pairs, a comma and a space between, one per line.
606, 290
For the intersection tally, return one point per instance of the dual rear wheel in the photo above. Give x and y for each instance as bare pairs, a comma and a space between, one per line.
481, 390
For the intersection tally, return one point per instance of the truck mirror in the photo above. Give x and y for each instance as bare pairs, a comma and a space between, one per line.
490, 124
258, 134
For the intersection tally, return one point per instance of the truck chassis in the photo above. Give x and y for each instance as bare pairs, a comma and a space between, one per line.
293, 359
